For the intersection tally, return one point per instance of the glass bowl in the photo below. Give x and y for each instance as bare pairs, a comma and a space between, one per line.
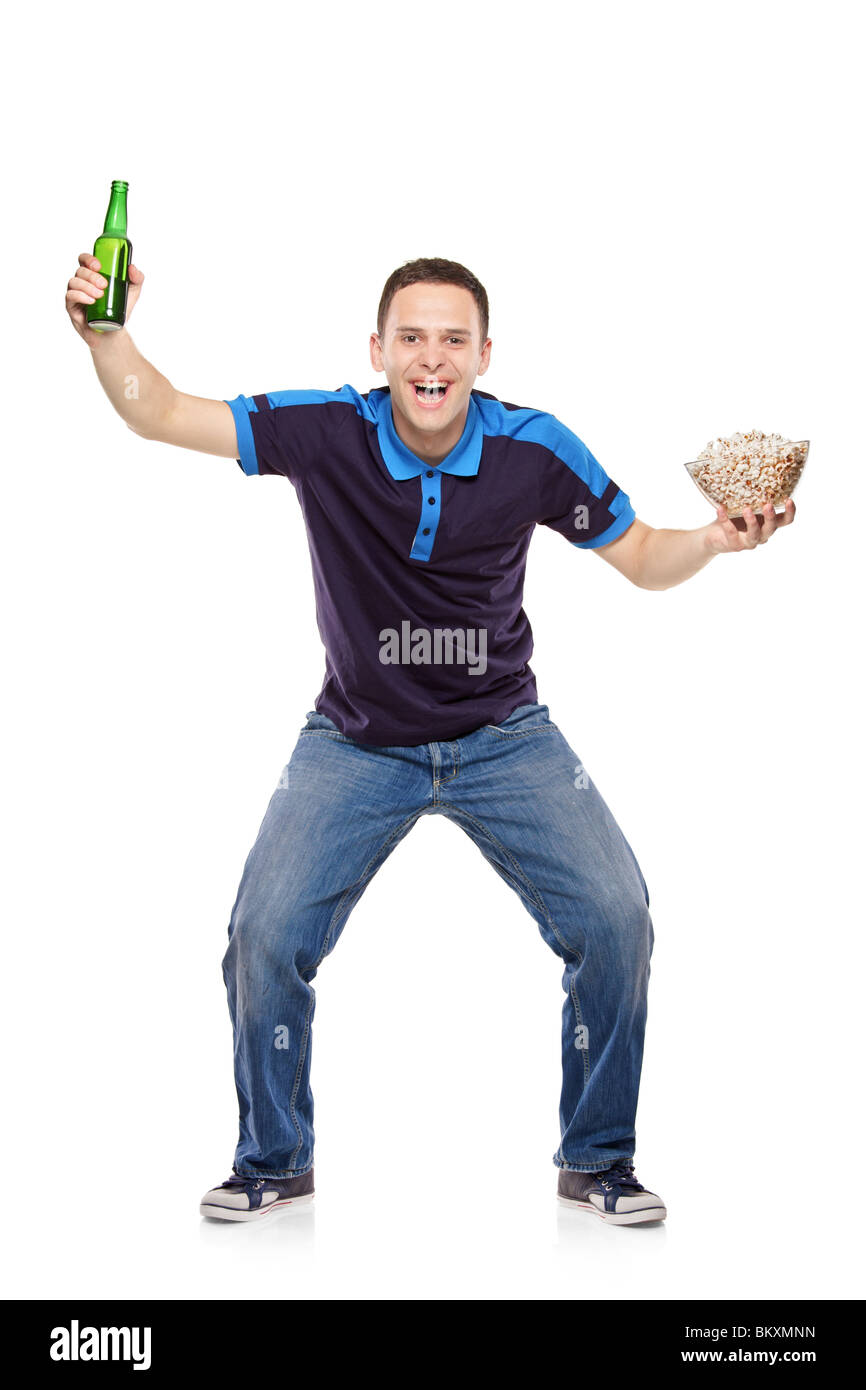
733, 485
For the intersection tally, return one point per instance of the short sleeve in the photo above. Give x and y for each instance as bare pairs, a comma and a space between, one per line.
284, 431
578, 499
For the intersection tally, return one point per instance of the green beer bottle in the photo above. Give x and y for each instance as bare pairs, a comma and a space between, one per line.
114, 254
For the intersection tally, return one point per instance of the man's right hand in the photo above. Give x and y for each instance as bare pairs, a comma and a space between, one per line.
86, 286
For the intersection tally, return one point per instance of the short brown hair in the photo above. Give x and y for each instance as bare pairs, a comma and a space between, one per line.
434, 270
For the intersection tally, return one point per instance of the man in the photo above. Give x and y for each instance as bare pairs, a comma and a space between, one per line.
420, 499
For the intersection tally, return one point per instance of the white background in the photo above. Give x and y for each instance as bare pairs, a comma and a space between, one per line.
663, 204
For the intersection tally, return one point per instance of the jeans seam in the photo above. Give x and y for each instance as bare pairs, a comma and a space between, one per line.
299, 1070
538, 900
572, 989
361, 882
506, 852
521, 733
326, 733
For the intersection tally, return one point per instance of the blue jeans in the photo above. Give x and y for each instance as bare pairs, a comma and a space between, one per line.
520, 792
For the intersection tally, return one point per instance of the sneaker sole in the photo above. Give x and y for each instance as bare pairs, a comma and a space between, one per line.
257, 1214
617, 1218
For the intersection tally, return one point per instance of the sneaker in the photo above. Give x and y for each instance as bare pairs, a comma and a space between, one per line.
614, 1194
241, 1198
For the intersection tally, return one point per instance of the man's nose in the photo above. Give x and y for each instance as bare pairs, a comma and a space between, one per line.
433, 360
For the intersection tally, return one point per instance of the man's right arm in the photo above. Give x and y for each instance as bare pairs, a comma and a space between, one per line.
142, 396
153, 408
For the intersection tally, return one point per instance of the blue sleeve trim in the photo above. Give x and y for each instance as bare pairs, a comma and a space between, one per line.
624, 513
242, 408
347, 395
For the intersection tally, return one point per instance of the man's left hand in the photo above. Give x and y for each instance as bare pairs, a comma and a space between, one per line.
748, 531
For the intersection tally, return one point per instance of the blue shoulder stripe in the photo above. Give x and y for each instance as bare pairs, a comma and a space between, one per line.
539, 427
347, 395
245, 406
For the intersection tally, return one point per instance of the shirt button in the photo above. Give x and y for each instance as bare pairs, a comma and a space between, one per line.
426, 531
429, 472
431, 500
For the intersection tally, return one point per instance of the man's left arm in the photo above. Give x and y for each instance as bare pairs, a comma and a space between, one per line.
659, 559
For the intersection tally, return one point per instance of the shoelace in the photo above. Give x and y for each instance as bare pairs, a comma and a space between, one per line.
619, 1175
238, 1180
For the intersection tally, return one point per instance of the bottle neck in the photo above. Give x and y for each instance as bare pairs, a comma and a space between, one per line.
115, 218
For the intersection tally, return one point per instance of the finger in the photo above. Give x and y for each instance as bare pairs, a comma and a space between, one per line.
786, 517
769, 523
729, 528
80, 297
752, 534
135, 275
85, 277
79, 287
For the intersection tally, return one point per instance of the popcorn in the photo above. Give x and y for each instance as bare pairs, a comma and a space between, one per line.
749, 470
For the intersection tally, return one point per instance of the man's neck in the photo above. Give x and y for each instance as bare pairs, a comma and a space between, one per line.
434, 450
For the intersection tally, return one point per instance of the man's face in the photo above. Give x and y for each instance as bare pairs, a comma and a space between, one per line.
432, 334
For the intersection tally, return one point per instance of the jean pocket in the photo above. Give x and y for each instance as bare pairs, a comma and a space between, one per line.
526, 719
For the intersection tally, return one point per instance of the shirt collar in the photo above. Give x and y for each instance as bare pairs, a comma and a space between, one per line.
402, 463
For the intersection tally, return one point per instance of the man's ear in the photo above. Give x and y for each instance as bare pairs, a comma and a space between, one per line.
376, 353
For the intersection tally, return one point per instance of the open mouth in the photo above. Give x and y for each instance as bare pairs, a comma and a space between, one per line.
431, 394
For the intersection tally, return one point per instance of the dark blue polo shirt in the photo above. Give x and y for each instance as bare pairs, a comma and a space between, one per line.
418, 571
